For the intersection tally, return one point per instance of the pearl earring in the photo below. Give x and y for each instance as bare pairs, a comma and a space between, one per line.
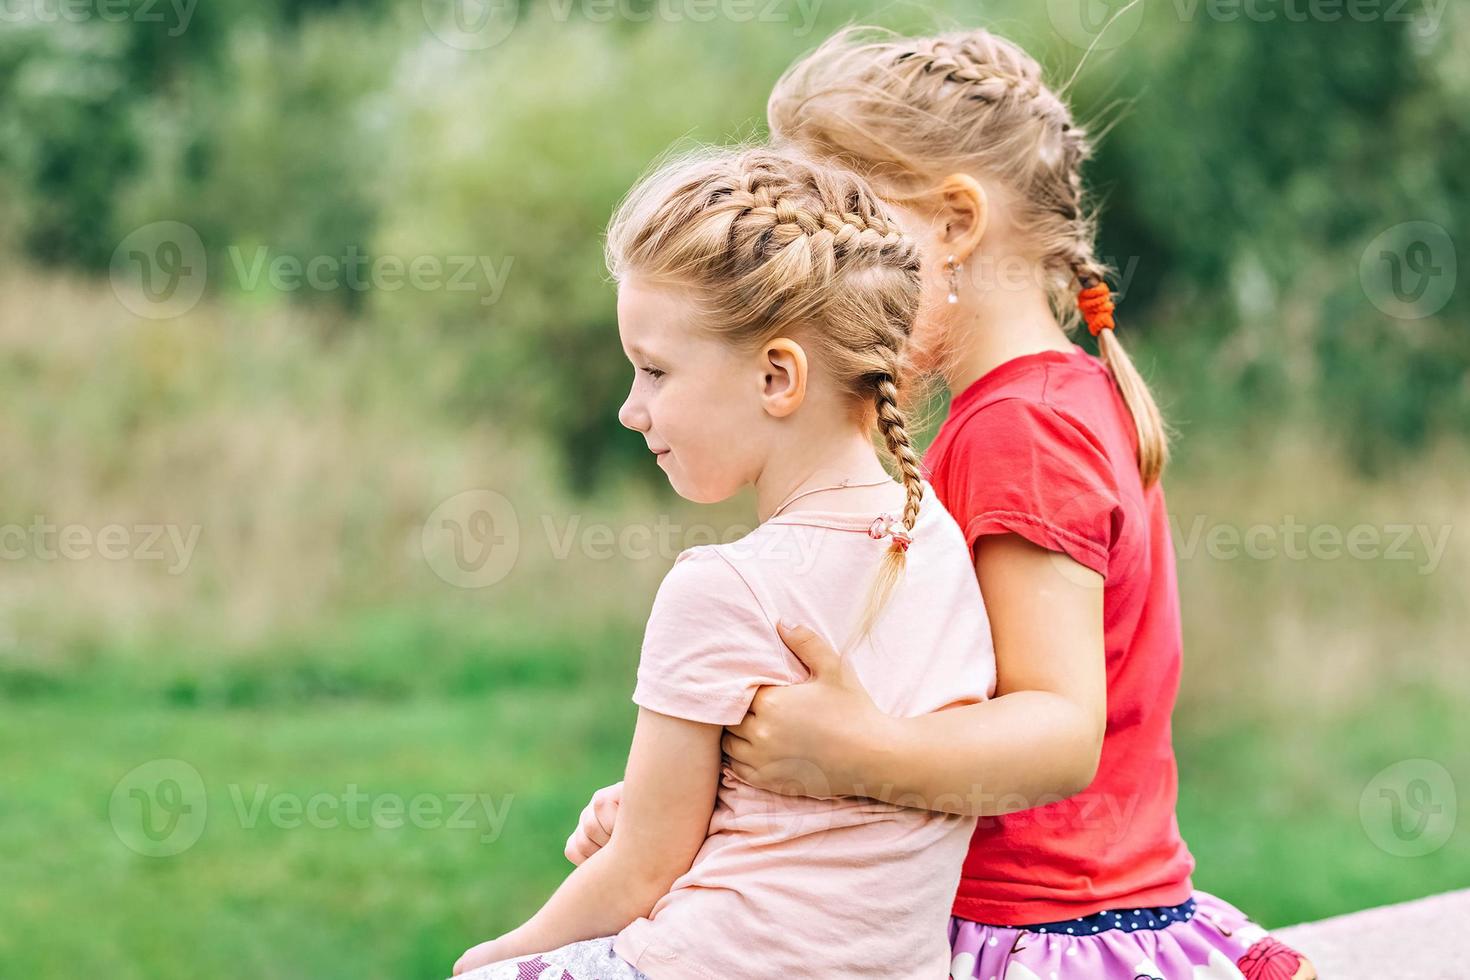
954, 278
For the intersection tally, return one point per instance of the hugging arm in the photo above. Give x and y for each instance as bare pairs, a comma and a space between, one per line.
1037, 741
668, 796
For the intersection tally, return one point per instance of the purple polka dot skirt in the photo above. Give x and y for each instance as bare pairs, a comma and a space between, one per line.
1206, 938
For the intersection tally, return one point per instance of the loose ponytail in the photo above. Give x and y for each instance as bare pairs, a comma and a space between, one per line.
911, 111
1096, 303
1148, 421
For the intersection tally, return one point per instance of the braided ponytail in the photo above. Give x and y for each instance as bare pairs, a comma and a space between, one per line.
775, 244
892, 425
912, 111
896, 437
1095, 303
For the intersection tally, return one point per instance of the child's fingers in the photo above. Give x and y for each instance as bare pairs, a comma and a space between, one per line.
579, 848
581, 845
810, 648
594, 824
605, 803
613, 792
734, 745
743, 772
474, 957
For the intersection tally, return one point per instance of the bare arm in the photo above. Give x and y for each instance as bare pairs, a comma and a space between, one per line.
1038, 740
669, 794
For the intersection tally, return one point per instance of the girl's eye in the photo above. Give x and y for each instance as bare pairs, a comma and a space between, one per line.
653, 373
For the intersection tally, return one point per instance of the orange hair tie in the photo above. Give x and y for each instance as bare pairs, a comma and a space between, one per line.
1096, 304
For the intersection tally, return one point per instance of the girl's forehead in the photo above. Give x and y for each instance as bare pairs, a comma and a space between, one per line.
652, 317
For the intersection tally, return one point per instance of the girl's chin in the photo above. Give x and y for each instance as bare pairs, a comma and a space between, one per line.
696, 494
676, 481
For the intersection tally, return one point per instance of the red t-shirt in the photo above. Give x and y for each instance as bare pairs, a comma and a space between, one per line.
1044, 447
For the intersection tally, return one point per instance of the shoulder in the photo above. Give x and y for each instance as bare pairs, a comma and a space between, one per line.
698, 570
709, 644
1019, 429
1024, 466
704, 581
1057, 400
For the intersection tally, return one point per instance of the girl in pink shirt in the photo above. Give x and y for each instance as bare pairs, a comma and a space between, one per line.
765, 303
1050, 461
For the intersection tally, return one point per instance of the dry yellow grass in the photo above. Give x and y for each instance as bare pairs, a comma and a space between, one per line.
310, 456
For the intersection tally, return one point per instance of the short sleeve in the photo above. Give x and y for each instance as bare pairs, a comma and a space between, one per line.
1020, 467
708, 644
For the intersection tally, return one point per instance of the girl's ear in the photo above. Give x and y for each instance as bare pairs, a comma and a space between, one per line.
783, 365
964, 213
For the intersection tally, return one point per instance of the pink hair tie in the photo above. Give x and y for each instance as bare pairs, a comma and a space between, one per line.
886, 525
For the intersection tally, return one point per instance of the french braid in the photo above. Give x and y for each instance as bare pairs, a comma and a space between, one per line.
911, 111
775, 244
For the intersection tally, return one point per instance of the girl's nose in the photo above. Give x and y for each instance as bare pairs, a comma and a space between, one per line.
632, 415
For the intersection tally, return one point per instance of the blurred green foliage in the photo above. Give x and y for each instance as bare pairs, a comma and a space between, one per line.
1256, 179
1247, 167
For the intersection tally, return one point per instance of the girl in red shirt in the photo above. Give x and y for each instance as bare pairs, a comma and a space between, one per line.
1049, 460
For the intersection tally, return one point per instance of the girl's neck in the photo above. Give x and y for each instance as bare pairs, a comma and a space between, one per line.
819, 463
992, 326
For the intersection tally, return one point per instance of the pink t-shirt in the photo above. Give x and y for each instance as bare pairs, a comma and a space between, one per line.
790, 885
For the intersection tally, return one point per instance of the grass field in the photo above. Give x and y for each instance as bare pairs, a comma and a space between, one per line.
257, 894
1272, 818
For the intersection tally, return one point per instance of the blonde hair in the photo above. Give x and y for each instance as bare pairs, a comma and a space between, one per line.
774, 244
907, 112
